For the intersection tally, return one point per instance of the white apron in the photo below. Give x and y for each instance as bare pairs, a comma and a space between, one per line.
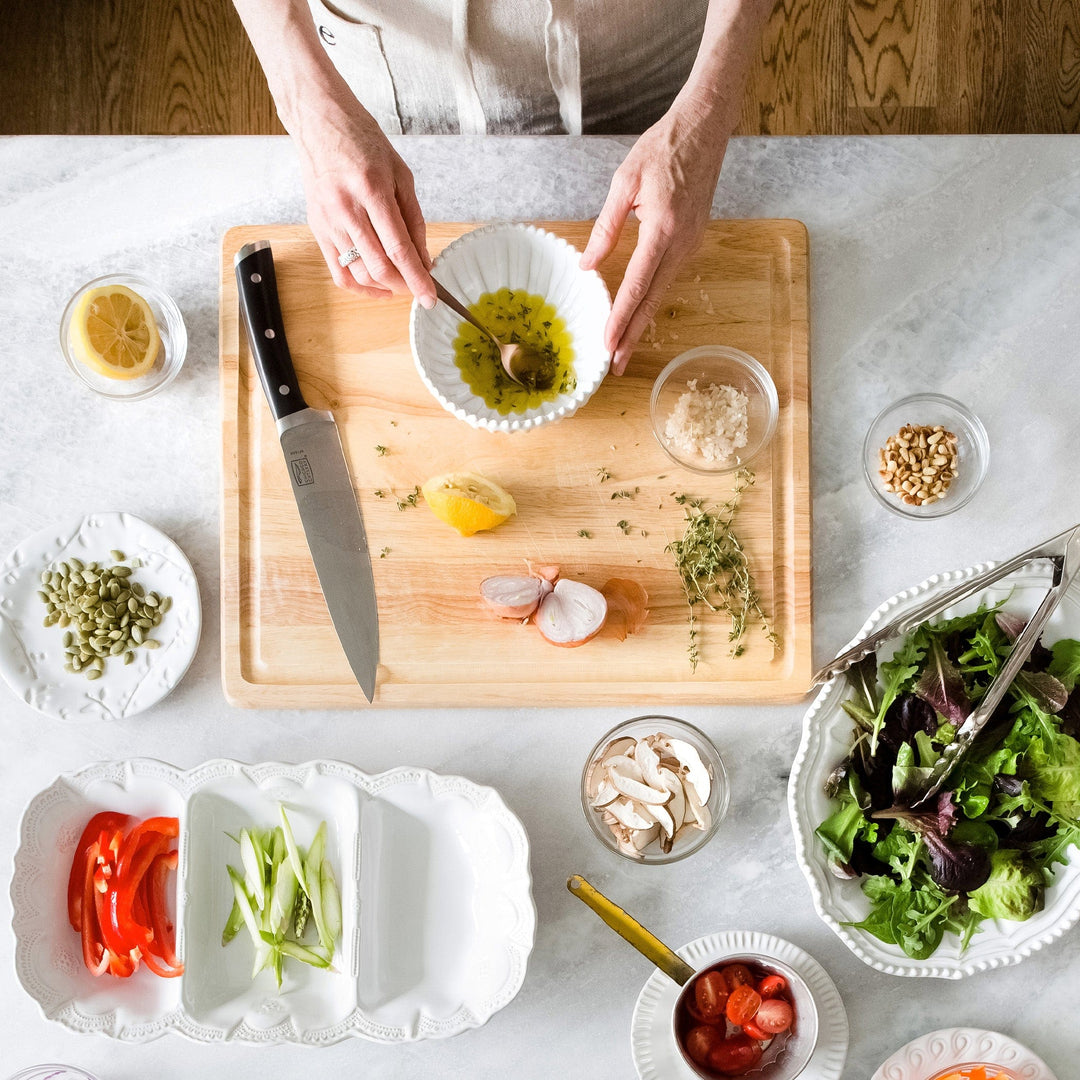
480, 67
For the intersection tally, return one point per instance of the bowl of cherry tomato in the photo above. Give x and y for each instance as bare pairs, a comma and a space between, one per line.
746, 1014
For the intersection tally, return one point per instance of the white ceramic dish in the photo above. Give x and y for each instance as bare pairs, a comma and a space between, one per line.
652, 1040
32, 655
825, 741
517, 257
950, 1046
438, 917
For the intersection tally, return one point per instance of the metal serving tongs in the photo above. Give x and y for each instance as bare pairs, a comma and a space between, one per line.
1063, 552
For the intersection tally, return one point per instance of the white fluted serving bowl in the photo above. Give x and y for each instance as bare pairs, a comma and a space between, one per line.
513, 256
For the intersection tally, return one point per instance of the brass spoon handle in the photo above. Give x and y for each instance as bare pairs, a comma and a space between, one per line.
627, 927
452, 302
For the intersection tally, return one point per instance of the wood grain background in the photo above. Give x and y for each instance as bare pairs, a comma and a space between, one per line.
825, 67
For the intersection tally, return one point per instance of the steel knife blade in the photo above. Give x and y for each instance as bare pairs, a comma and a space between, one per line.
318, 471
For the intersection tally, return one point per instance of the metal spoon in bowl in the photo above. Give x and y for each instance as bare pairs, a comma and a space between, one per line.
525, 365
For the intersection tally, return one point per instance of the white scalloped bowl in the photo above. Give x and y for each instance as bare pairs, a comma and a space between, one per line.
512, 256
826, 739
944, 1049
438, 916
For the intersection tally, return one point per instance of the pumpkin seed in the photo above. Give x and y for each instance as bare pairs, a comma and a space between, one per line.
137, 633
152, 643
117, 556
93, 673
128, 658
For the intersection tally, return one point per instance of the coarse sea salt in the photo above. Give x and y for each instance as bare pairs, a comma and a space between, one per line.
710, 423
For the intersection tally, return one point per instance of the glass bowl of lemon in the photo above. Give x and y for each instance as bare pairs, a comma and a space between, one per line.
123, 336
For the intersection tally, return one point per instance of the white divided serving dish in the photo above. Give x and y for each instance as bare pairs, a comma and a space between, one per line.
826, 739
438, 916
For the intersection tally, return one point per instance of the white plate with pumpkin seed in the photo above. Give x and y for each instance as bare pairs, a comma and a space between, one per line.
129, 573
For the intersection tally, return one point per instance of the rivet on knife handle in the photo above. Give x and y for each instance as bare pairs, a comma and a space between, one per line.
256, 282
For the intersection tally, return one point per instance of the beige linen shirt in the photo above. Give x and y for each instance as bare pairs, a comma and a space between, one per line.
480, 67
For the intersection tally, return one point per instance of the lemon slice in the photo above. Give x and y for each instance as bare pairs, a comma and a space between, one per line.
113, 332
468, 501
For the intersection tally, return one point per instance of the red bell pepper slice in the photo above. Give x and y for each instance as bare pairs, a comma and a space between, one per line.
145, 843
164, 942
106, 820
95, 955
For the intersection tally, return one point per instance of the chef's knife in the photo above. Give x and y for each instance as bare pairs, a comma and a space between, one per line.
319, 474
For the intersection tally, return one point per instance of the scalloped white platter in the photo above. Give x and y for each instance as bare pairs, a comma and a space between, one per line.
826, 738
32, 655
652, 1035
515, 256
438, 915
951, 1046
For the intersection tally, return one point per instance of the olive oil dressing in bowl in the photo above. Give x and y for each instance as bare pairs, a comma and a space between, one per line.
526, 286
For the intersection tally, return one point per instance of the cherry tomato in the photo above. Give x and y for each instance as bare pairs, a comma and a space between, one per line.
735, 1056
736, 975
701, 1041
710, 996
742, 1004
750, 1028
774, 1015
772, 986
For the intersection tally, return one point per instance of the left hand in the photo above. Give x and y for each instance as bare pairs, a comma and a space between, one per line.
668, 180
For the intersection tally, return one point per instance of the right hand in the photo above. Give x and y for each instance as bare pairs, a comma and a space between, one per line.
361, 194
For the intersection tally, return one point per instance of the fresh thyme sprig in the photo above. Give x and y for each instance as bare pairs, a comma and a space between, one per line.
715, 571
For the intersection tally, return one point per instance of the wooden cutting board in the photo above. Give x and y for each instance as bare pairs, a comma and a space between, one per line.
746, 286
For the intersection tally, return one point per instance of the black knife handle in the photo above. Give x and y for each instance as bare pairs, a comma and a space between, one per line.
256, 283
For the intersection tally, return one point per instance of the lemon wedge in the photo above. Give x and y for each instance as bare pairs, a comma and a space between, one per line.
468, 501
113, 332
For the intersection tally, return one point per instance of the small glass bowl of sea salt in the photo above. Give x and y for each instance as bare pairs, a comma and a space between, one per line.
713, 409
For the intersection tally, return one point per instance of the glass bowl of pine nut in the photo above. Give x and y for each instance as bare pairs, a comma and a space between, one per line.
925, 456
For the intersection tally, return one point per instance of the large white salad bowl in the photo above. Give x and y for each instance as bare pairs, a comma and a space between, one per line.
438, 916
826, 738
513, 256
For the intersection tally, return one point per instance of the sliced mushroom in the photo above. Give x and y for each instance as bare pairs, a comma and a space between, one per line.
605, 794
637, 791
649, 762
625, 814
696, 773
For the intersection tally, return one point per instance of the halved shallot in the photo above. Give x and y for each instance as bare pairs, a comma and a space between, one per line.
571, 614
514, 596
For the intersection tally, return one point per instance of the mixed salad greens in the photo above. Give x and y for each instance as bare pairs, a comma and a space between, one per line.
984, 847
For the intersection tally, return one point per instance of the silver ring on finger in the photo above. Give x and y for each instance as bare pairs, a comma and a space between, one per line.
348, 257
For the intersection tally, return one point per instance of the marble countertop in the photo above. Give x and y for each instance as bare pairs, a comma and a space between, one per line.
945, 264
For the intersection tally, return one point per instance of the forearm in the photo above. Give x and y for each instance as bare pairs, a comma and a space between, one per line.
713, 93
301, 77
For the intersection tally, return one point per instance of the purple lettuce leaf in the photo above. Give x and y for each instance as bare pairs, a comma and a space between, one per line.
942, 686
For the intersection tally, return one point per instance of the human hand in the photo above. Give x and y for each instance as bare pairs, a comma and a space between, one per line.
360, 194
668, 180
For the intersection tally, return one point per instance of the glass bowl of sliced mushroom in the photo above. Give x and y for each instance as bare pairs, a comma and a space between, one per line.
654, 789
